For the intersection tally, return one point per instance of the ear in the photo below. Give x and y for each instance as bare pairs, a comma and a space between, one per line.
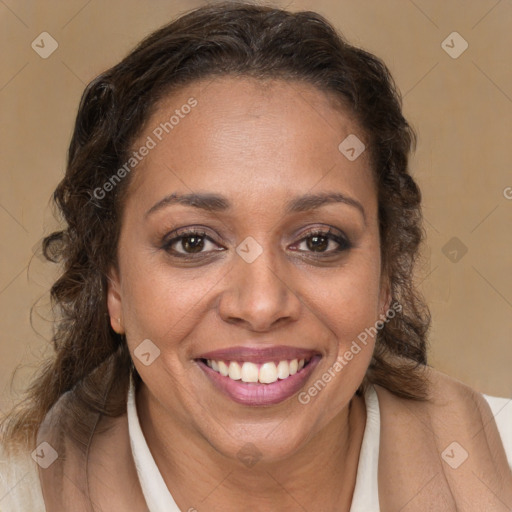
114, 303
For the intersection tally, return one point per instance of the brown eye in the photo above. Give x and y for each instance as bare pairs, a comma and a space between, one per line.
317, 243
193, 243
324, 242
189, 243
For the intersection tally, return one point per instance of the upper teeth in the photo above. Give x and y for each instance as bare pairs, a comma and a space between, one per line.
265, 373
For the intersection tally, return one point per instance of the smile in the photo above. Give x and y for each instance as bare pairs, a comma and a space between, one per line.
258, 376
265, 373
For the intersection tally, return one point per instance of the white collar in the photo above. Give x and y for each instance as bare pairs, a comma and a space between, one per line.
159, 499
366, 492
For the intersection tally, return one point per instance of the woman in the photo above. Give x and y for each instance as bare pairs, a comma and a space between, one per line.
239, 327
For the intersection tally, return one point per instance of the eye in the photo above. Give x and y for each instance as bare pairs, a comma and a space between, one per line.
323, 241
188, 243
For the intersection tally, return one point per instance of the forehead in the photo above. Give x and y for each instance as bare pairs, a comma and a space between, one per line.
250, 139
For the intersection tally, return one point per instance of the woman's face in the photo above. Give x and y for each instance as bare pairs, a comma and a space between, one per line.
277, 268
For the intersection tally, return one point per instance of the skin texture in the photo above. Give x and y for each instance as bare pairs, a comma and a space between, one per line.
259, 144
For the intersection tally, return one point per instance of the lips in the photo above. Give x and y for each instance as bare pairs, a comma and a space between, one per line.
259, 355
234, 372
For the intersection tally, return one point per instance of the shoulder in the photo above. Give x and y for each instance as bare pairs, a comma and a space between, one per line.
20, 488
467, 400
453, 406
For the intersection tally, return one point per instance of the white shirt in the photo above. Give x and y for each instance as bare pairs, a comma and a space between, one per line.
366, 492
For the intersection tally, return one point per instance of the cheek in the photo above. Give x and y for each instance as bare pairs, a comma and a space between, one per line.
161, 303
348, 298
350, 305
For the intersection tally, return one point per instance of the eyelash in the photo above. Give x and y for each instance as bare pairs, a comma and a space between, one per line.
344, 243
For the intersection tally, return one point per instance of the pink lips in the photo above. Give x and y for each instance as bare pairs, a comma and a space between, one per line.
259, 355
257, 394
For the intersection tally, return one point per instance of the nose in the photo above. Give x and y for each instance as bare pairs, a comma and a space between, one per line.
260, 294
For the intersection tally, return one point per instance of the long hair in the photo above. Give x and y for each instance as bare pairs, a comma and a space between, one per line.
237, 39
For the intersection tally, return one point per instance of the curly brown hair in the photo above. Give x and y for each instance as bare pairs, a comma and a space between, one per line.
237, 39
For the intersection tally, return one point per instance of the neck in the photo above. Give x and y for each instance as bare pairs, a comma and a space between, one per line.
320, 475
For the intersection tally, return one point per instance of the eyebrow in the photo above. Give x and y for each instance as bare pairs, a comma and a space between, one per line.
218, 203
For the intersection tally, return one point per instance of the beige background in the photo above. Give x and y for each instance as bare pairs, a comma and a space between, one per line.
461, 109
